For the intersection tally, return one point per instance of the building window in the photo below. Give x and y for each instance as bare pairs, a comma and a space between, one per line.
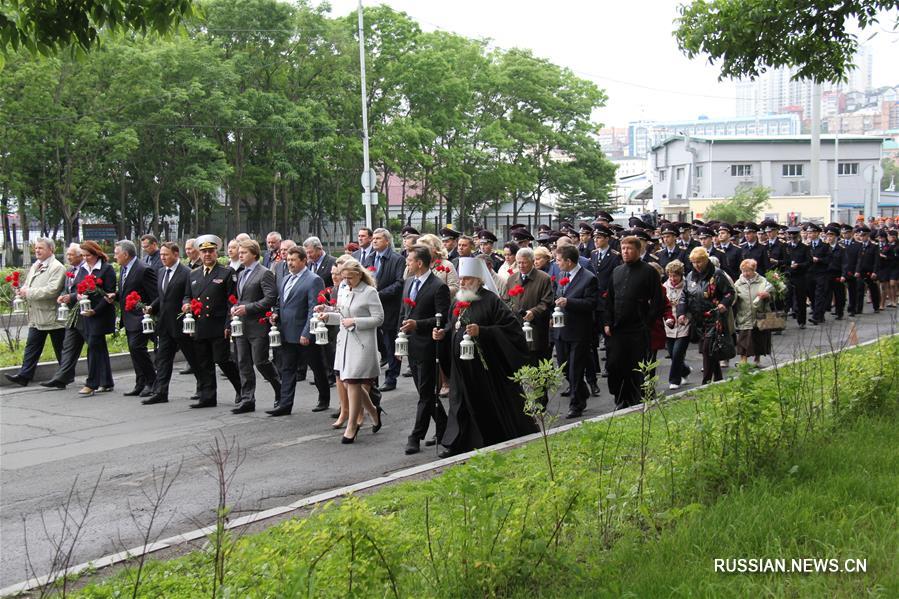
792, 170
741, 170
698, 171
661, 175
847, 168
679, 173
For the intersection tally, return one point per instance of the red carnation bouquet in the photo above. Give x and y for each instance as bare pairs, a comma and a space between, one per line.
439, 267
90, 285
133, 302
325, 299
14, 279
564, 281
459, 308
196, 307
232, 299
515, 291
265, 318
409, 302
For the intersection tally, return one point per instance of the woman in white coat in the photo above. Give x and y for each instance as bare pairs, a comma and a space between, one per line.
359, 314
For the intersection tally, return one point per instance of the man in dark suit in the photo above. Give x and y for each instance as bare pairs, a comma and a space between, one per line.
604, 259
753, 249
273, 242
816, 282
136, 277
366, 253
866, 268
388, 268
576, 295
150, 246
256, 296
851, 249
729, 255
172, 281
297, 297
835, 281
424, 296
211, 286
321, 263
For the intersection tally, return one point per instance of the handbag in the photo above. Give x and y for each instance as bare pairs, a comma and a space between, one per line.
721, 344
771, 321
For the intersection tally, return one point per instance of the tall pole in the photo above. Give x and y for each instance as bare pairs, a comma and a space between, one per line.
366, 183
814, 184
836, 178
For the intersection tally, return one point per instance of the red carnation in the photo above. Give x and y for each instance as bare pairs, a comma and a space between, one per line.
333, 302
460, 306
510, 271
409, 302
605, 294
372, 269
564, 281
232, 299
707, 314
262, 321
553, 278
99, 281
517, 290
269, 313
322, 299
196, 306
8, 278
70, 274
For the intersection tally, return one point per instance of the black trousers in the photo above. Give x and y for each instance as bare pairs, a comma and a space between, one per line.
838, 293
626, 350
254, 351
424, 374
386, 342
865, 280
711, 368
291, 355
166, 347
577, 355
71, 351
800, 297
208, 353
34, 347
818, 290
677, 347
140, 358
99, 370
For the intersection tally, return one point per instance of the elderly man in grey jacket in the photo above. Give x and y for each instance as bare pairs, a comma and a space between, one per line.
43, 283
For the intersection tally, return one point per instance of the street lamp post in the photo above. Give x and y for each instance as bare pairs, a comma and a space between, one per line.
366, 179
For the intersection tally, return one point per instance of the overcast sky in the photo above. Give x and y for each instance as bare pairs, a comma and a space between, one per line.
625, 47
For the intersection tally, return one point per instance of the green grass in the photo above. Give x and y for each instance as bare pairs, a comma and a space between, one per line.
791, 465
116, 343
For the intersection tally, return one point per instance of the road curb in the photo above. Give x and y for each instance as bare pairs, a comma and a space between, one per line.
339, 492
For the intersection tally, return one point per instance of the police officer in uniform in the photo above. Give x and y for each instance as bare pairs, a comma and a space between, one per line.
450, 238
817, 284
799, 258
670, 251
753, 249
585, 245
729, 255
604, 259
866, 270
211, 285
486, 239
835, 281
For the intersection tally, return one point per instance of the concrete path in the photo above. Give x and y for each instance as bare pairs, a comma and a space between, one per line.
50, 437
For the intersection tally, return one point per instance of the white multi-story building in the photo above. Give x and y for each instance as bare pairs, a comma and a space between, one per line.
686, 167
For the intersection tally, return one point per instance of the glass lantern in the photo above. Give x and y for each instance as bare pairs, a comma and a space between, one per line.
190, 324
274, 337
84, 305
147, 325
18, 305
466, 348
528, 331
236, 327
558, 318
401, 345
321, 333
62, 313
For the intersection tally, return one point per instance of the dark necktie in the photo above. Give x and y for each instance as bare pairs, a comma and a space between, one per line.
165, 280
124, 275
291, 281
413, 293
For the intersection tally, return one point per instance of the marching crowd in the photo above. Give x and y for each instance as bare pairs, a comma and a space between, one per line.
463, 313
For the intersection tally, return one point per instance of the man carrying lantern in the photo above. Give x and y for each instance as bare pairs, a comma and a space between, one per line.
482, 346
137, 287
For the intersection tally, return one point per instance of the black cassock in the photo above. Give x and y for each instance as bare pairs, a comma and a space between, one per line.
485, 407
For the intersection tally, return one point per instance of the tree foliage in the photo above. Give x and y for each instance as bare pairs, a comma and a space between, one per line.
749, 36
746, 204
251, 121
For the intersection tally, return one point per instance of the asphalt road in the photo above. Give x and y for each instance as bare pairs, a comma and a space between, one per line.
50, 437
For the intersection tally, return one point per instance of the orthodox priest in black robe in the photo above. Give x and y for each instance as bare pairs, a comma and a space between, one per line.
485, 406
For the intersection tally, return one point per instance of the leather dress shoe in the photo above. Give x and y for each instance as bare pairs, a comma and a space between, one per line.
594, 390
154, 399
574, 414
17, 379
320, 408
245, 407
134, 392
279, 411
566, 392
204, 404
446, 452
412, 446
431, 442
51, 384
147, 392
387, 387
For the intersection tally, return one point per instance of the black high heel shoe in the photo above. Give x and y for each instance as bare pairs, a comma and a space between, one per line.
375, 428
347, 440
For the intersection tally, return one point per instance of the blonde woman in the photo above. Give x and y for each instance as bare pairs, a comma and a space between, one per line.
678, 335
359, 314
441, 267
542, 258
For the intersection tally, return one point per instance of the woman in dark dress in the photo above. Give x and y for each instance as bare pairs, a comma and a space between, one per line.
99, 321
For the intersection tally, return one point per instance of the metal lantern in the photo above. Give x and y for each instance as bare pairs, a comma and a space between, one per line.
274, 337
528, 331
558, 318
321, 333
62, 313
401, 345
84, 305
190, 325
236, 327
466, 348
147, 325
18, 305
